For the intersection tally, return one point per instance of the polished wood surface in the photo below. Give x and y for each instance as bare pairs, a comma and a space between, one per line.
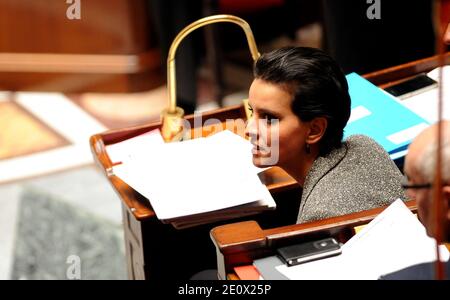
111, 48
43, 27
78, 63
390, 76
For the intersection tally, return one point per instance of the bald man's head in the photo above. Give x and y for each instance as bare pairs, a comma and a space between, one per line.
447, 35
421, 156
420, 168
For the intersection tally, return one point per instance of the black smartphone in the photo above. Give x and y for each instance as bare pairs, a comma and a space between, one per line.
411, 87
309, 251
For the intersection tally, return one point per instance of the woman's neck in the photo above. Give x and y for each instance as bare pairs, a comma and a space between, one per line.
299, 170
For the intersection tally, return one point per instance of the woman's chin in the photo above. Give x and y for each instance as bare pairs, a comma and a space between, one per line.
262, 162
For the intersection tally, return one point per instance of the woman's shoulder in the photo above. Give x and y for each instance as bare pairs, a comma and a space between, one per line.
364, 143
368, 152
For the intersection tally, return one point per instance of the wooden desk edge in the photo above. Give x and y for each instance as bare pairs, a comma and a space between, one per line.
140, 210
232, 238
388, 76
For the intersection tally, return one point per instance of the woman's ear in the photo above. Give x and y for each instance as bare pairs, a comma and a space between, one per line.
317, 128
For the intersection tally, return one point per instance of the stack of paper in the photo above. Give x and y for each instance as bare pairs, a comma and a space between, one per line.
394, 240
137, 146
381, 116
197, 181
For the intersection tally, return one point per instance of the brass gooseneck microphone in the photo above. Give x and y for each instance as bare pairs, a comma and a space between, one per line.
172, 116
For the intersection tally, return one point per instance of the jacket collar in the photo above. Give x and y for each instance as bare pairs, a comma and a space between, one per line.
320, 167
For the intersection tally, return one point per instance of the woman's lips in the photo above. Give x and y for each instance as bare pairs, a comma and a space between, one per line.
257, 150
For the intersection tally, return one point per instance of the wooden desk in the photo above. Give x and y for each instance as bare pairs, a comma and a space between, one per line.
241, 243
158, 251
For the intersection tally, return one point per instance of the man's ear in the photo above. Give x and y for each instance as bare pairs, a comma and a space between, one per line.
446, 192
317, 128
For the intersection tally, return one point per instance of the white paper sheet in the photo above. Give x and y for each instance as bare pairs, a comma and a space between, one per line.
127, 149
195, 176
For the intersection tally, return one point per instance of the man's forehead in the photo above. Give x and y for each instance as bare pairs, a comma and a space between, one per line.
408, 169
415, 151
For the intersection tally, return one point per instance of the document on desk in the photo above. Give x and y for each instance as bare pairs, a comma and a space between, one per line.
197, 177
394, 240
125, 150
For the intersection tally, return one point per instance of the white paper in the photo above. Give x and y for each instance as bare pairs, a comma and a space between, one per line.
141, 144
357, 113
394, 240
195, 176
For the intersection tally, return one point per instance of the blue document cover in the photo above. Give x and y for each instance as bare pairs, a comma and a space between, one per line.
379, 115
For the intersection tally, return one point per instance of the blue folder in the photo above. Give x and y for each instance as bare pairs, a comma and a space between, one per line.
377, 114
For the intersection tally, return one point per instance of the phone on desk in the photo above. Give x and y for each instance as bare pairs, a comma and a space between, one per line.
411, 87
309, 251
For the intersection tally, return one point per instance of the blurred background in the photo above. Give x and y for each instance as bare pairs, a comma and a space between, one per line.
71, 69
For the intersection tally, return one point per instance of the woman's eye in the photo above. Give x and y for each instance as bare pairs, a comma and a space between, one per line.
268, 117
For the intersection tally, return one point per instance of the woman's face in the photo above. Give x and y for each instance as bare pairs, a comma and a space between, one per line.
277, 134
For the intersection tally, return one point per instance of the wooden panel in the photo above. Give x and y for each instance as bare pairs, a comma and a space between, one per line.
105, 27
387, 77
133, 245
78, 63
110, 49
80, 83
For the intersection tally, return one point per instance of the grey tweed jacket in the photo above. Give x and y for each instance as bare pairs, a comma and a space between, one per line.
357, 176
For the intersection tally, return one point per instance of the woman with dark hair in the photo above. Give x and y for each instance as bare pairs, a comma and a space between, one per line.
300, 104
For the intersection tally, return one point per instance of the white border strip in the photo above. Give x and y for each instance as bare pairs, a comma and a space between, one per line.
45, 162
5, 96
68, 120
407, 134
61, 114
399, 154
358, 112
9, 204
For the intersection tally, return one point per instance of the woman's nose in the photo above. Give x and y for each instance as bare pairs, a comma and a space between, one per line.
251, 129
